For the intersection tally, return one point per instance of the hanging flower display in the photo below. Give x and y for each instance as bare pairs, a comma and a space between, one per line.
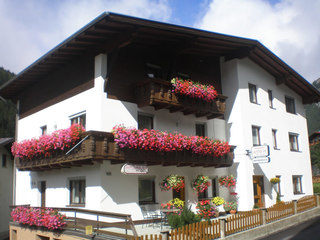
153, 140
227, 181
193, 89
40, 217
45, 145
275, 180
205, 209
172, 182
201, 183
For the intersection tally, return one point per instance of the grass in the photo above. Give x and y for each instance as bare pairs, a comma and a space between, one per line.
316, 187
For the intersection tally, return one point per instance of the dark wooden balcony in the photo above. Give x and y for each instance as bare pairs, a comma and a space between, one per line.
100, 146
158, 93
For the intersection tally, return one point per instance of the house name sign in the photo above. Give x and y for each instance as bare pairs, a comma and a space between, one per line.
130, 169
260, 151
260, 154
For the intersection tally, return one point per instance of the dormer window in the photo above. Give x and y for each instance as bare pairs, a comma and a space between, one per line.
153, 71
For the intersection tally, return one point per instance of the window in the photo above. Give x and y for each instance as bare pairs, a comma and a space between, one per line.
253, 93
145, 122
77, 191
210, 192
270, 98
200, 129
256, 136
277, 186
274, 138
146, 191
80, 119
297, 184
43, 130
290, 106
153, 71
4, 160
293, 140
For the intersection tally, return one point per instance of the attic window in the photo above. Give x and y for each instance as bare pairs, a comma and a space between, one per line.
153, 71
183, 75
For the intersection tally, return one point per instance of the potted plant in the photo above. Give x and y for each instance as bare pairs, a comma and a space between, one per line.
275, 180
192, 89
172, 182
206, 210
227, 181
217, 201
230, 207
201, 183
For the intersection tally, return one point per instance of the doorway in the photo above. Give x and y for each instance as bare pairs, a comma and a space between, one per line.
43, 193
258, 191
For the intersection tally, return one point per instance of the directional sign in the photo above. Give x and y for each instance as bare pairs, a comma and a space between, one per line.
130, 169
261, 160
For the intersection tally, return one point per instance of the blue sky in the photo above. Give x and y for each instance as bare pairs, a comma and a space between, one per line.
289, 28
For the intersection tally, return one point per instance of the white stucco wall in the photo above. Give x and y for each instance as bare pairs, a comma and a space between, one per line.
6, 174
241, 115
107, 189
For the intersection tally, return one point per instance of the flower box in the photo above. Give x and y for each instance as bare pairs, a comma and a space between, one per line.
158, 93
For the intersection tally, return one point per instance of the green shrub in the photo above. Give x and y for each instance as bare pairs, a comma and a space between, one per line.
184, 218
316, 187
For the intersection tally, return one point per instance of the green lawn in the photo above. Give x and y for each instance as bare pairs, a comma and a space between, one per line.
316, 187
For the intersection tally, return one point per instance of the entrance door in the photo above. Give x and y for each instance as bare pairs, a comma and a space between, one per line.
258, 191
43, 193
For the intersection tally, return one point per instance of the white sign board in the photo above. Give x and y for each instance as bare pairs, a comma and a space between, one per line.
130, 169
261, 160
260, 151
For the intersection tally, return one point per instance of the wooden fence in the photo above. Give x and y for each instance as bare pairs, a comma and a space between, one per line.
278, 211
239, 222
306, 203
243, 221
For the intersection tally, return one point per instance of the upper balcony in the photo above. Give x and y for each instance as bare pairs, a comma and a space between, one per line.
98, 146
158, 93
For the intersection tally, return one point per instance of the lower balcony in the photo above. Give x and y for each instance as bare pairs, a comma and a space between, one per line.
99, 146
158, 93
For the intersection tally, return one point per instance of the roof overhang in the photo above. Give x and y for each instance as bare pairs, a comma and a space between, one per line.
111, 31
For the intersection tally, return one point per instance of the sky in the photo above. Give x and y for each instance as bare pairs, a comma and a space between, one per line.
289, 28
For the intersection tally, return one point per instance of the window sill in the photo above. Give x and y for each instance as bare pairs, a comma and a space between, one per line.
272, 108
76, 205
276, 149
292, 113
255, 103
298, 193
147, 203
295, 151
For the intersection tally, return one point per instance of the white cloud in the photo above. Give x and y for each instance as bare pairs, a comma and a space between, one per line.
31, 28
289, 28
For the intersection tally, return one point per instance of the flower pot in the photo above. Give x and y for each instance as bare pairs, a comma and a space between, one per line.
233, 211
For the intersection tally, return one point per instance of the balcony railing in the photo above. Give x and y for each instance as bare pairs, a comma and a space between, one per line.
98, 146
158, 93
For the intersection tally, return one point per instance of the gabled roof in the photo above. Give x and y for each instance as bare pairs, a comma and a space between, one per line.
110, 31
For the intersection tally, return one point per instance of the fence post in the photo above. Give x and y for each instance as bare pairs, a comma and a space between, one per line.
165, 235
264, 216
222, 228
295, 207
318, 200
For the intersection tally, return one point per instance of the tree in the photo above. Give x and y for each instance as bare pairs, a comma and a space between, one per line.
7, 109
